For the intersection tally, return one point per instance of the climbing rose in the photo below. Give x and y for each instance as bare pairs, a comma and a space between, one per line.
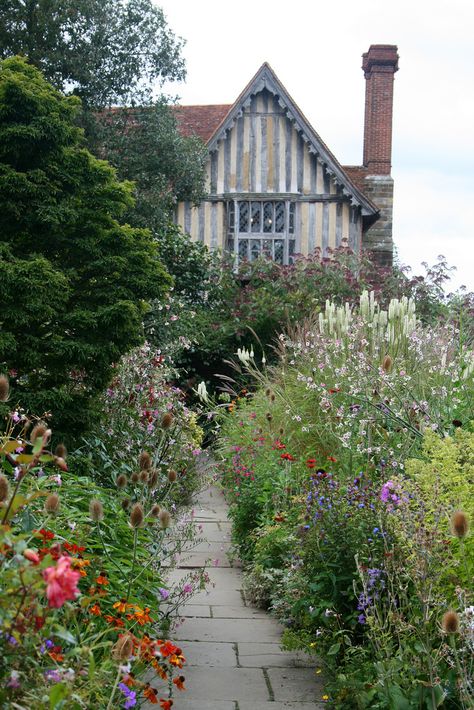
61, 582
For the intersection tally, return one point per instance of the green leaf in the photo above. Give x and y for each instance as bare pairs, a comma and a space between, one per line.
57, 693
334, 649
91, 665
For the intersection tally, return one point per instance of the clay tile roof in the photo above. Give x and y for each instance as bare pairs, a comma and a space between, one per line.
200, 121
356, 173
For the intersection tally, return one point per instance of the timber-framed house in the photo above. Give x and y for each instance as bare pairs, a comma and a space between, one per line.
275, 188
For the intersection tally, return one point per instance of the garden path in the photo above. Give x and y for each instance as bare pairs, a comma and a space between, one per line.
234, 660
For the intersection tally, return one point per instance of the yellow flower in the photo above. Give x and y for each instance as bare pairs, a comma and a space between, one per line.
325, 697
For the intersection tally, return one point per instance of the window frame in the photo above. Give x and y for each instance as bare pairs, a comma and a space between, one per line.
266, 239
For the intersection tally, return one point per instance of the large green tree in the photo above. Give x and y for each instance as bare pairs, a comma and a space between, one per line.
74, 281
105, 51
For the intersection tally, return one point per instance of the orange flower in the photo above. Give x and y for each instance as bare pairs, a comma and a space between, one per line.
102, 580
166, 704
167, 649
129, 680
122, 606
179, 682
113, 620
140, 616
150, 694
177, 659
56, 656
159, 669
95, 610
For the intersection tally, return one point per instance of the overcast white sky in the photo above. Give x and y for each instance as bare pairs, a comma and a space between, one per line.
315, 48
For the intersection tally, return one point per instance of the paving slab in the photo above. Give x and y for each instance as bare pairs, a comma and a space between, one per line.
228, 630
285, 705
183, 703
295, 684
237, 612
268, 655
217, 597
225, 684
205, 653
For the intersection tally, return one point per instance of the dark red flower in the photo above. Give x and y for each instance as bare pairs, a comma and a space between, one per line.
287, 457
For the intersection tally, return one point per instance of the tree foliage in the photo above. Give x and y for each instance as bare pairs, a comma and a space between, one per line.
145, 146
73, 281
105, 51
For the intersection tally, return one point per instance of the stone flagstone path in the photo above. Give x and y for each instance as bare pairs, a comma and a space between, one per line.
234, 660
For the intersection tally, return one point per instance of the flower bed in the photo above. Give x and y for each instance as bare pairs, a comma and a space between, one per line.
347, 471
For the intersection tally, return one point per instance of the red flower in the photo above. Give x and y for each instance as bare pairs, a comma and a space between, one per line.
150, 694
168, 648
333, 391
332, 458
102, 580
45, 534
179, 682
311, 463
166, 704
279, 445
75, 549
287, 457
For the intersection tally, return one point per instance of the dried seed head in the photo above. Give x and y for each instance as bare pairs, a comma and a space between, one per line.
153, 478
165, 518
126, 503
52, 503
144, 476
60, 451
136, 516
269, 416
4, 388
3, 488
123, 649
167, 420
96, 510
387, 363
121, 481
282, 431
144, 460
172, 476
457, 423
135, 477
39, 430
155, 511
450, 623
272, 398
268, 392
460, 524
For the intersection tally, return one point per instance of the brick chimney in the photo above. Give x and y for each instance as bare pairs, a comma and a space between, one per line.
379, 64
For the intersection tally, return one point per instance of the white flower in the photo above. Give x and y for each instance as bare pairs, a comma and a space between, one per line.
202, 392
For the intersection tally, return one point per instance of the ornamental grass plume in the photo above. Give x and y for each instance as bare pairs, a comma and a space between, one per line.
460, 524
165, 518
121, 481
123, 648
4, 388
166, 420
52, 503
144, 460
450, 622
4, 488
137, 516
172, 476
96, 510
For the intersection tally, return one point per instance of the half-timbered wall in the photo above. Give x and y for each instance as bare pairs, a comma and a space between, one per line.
263, 156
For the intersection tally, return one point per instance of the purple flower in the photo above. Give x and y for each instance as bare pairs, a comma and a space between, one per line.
14, 682
187, 589
53, 676
164, 593
129, 694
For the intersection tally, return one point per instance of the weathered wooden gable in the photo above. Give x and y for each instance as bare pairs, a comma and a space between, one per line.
266, 150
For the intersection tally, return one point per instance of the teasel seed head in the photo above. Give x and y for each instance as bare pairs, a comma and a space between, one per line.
144, 476
165, 518
269, 416
272, 398
4, 488
153, 478
460, 524
52, 503
4, 388
282, 431
387, 363
144, 460
172, 476
137, 516
135, 477
60, 451
450, 622
121, 481
155, 511
268, 392
96, 510
123, 648
126, 503
39, 430
167, 420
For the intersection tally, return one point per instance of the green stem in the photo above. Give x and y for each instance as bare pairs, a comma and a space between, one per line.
105, 549
117, 678
133, 564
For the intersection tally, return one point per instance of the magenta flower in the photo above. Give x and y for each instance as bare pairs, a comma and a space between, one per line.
61, 582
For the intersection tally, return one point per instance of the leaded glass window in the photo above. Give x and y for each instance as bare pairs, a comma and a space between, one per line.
262, 228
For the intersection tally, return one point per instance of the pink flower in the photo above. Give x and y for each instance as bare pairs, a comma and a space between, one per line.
61, 582
32, 556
